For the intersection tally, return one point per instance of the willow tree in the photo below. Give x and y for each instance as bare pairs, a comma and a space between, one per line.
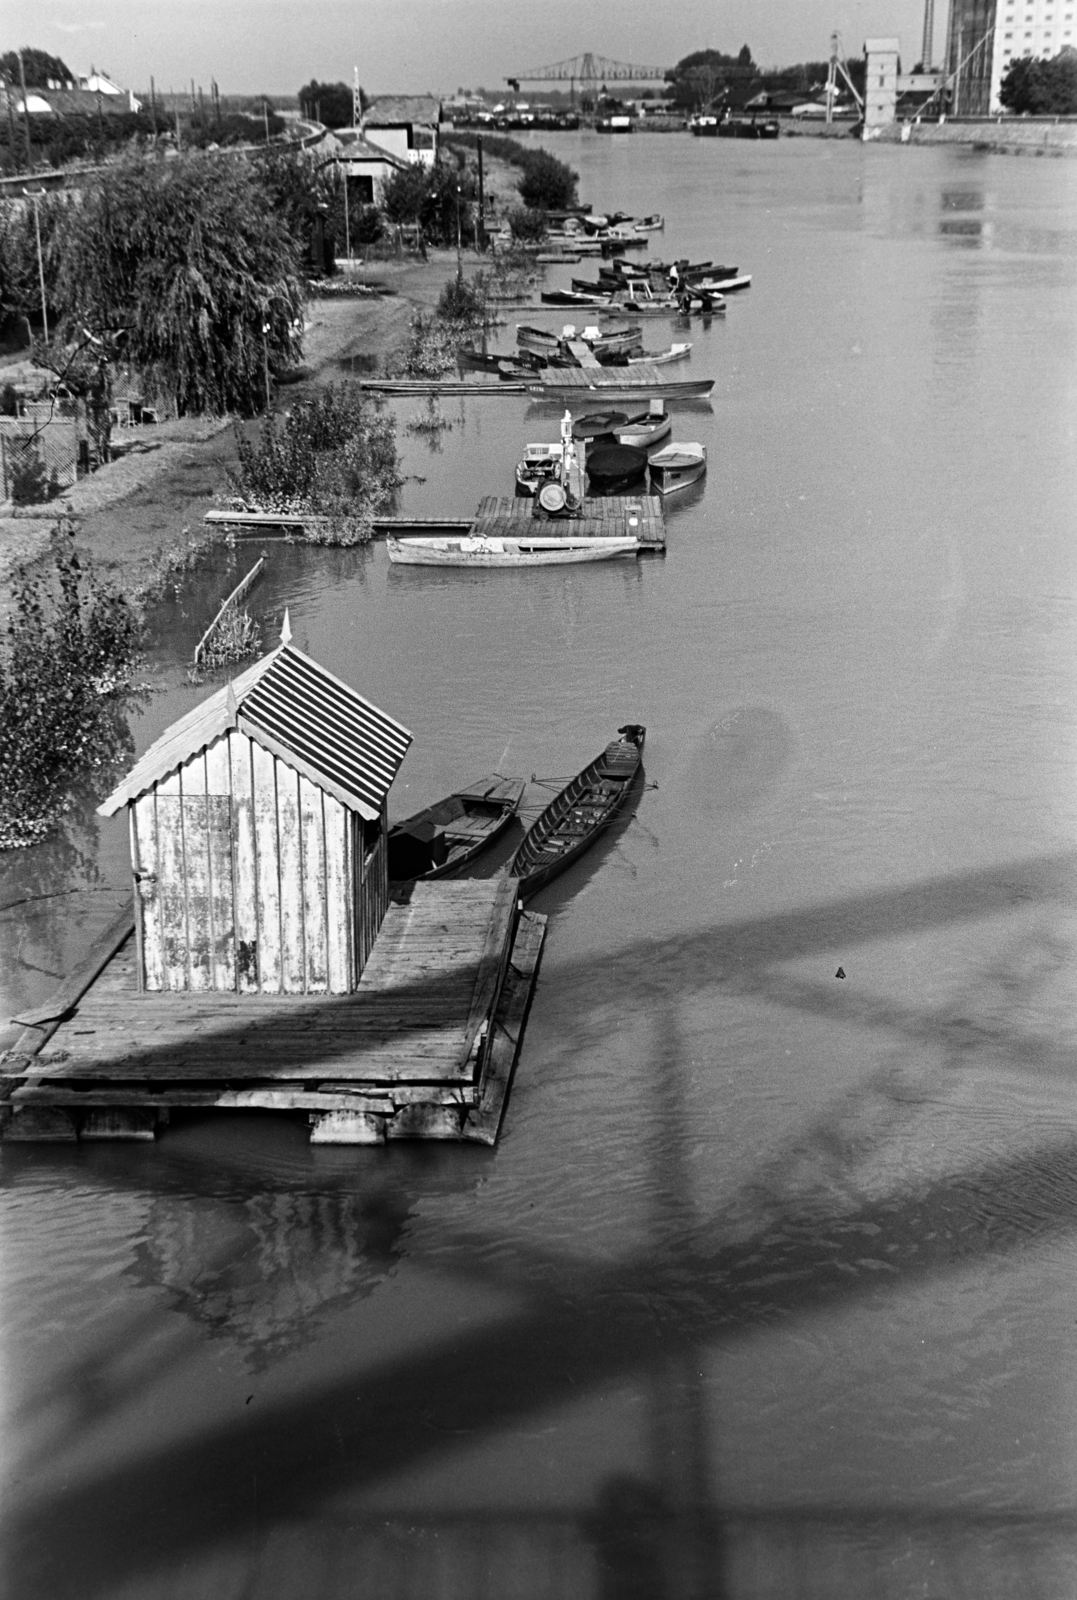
181, 270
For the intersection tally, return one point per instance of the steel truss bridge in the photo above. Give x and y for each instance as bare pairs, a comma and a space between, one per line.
591, 72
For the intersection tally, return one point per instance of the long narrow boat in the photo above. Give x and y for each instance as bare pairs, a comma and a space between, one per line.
446, 837
582, 811
580, 383
519, 550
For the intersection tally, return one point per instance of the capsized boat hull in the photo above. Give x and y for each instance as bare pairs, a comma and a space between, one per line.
580, 813
522, 550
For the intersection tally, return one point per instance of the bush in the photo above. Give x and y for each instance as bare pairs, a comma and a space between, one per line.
70, 647
548, 184
31, 484
334, 456
527, 226
463, 300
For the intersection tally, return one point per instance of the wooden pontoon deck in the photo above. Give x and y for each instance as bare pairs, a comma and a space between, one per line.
423, 1047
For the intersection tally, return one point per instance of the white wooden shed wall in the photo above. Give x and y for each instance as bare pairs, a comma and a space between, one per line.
250, 877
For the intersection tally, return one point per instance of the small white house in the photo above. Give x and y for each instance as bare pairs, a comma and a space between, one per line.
404, 125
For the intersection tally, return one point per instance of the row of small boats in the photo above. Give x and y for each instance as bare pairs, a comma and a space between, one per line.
619, 451
444, 839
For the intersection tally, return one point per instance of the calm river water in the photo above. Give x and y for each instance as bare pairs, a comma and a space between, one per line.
768, 1289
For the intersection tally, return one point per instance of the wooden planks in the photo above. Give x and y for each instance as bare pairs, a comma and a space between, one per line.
424, 1049
484, 1122
604, 517
430, 982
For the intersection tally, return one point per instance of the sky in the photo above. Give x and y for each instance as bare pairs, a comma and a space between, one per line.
411, 46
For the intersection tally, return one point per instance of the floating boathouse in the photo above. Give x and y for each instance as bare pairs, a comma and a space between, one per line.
262, 965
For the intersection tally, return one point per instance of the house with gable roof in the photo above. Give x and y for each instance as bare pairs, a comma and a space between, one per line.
258, 834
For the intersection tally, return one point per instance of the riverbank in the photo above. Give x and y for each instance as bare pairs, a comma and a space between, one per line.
140, 517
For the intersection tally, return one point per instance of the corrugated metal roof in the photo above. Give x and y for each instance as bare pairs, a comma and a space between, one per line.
295, 708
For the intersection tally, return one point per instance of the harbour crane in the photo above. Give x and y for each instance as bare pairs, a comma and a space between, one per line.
590, 71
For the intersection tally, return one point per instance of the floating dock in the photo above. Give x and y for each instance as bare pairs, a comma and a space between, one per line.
423, 1047
604, 517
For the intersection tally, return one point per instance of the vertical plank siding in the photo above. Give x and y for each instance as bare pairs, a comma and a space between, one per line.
313, 888
222, 896
146, 865
244, 865
267, 864
340, 953
252, 878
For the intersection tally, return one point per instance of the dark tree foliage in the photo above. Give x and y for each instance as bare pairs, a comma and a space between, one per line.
232, 127
547, 184
20, 283
330, 103
71, 644
67, 138
708, 75
185, 268
1041, 88
433, 197
39, 68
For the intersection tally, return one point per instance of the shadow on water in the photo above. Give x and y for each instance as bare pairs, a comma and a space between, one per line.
570, 1328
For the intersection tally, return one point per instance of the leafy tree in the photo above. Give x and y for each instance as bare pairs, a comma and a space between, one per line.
547, 184
709, 74
330, 103
39, 68
183, 269
430, 196
1041, 88
71, 644
20, 283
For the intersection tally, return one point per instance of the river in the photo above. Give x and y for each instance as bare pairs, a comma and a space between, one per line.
767, 1290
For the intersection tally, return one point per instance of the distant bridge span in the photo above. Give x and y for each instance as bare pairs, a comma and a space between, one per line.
589, 71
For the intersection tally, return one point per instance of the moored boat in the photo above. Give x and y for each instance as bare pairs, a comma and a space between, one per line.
676, 466
661, 358
594, 424
647, 428
541, 463
580, 813
523, 550
614, 468
447, 836
570, 297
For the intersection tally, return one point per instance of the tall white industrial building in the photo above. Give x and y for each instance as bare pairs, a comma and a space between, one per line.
984, 36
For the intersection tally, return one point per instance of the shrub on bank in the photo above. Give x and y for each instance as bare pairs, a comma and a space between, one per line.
70, 647
333, 457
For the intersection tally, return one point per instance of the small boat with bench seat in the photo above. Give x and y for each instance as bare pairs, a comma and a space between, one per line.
447, 836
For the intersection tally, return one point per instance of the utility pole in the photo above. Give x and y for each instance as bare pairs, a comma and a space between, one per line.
357, 99
9, 96
34, 195
459, 257
153, 104
265, 116
480, 231
26, 115
347, 224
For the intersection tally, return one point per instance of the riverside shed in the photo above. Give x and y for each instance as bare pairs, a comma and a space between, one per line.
258, 834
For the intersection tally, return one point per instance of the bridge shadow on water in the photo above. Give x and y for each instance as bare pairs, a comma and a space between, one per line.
252, 1504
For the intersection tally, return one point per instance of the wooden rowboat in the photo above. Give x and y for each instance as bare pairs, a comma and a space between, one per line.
647, 428
518, 550
447, 836
677, 466
582, 811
